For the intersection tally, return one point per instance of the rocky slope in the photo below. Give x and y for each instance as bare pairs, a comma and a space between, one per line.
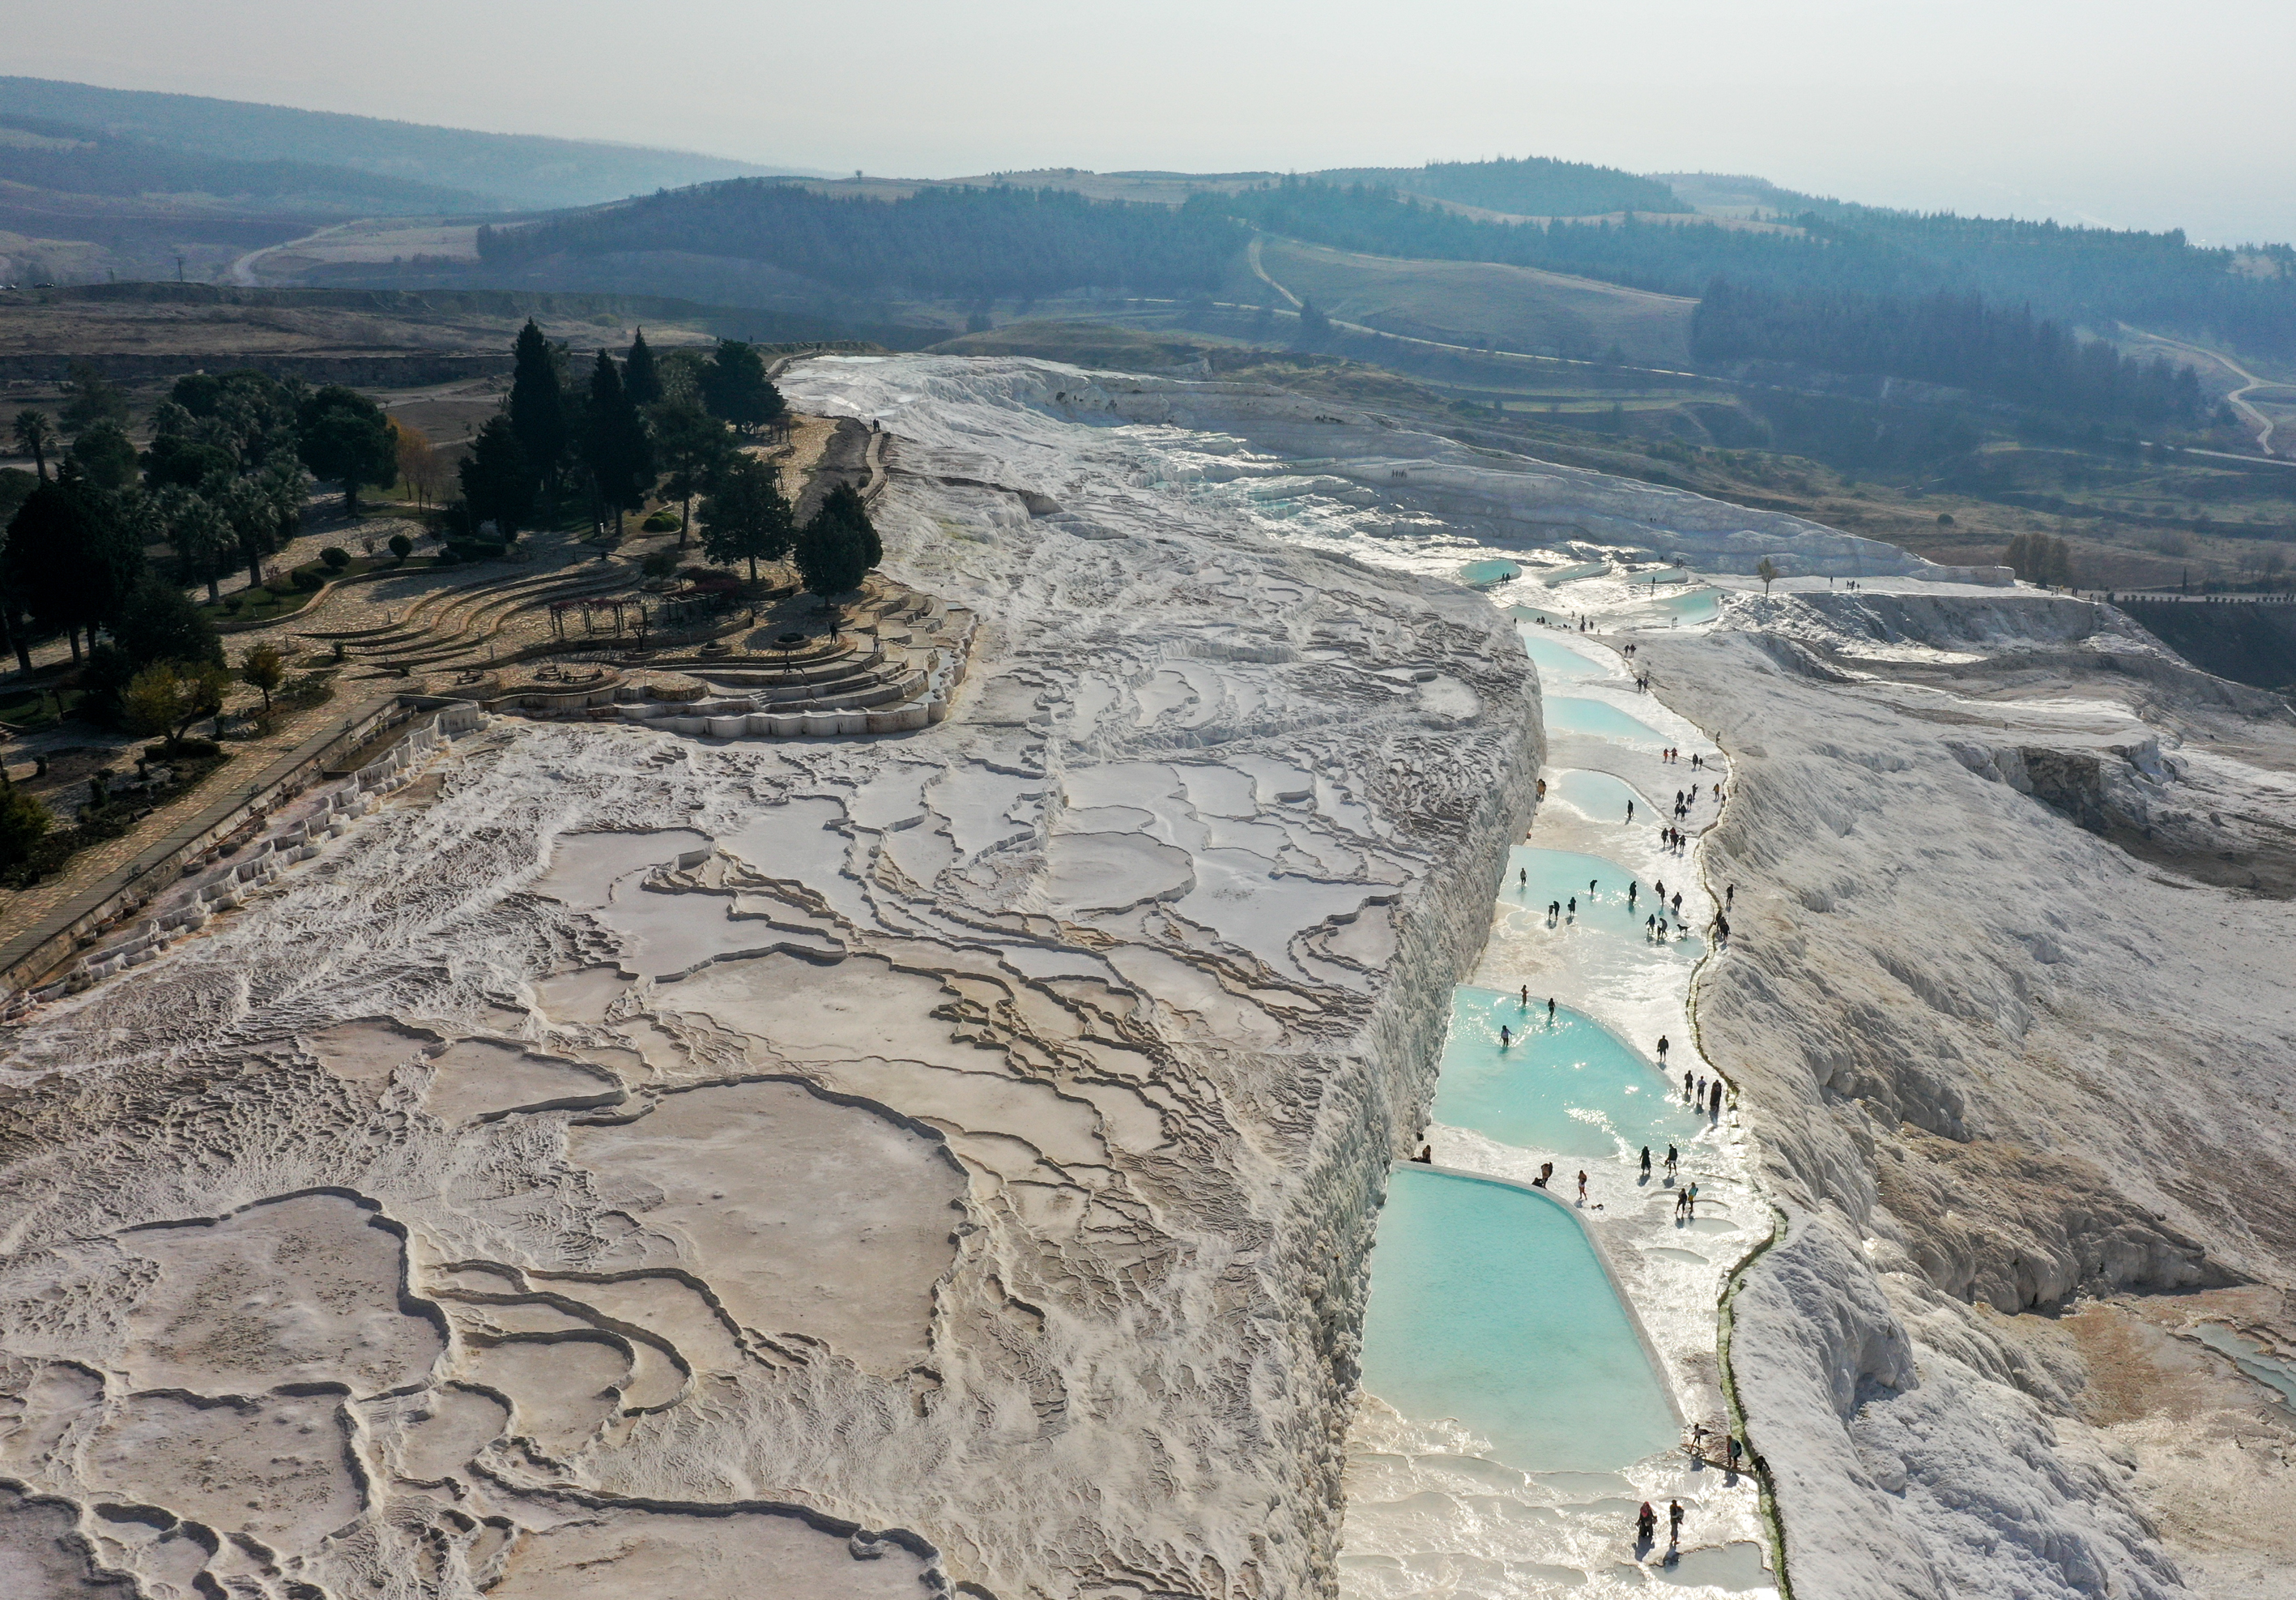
632, 1166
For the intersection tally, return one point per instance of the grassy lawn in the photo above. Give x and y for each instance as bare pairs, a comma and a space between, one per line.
33, 711
269, 603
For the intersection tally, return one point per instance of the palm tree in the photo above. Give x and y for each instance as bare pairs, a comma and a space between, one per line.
35, 436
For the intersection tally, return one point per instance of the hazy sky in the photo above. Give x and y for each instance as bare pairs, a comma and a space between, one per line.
2132, 113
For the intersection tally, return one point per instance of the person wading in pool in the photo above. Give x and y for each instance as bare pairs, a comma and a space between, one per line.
1646, 1525
1671, 1158
1674, 1516
1685, 1086
1574, 905
1522, 877
1426, 1156
1505, 1038
1526, 996
1630, 810
1718, 1097
1550, 1009
1645, 1163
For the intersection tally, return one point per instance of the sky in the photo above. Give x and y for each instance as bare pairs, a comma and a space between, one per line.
2131, 113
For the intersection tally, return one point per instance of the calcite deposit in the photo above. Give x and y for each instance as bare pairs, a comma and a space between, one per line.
651, 1166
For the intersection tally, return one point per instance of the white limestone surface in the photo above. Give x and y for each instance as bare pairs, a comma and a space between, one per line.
639, 1165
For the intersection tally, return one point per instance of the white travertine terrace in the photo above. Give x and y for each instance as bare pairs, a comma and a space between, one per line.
621, 1163
857, 1165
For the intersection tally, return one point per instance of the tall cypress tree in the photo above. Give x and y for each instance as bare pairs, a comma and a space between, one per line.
498, 480
538, 412
614, 446
640, 381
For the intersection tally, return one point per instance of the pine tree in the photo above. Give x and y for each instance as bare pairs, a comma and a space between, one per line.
735, 388
693, 446
342, 435
833, 551
498, 480
537, 409
745, 517
639, 380
614, 446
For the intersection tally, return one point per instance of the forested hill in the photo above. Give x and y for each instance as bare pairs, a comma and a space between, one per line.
956, 244
2080, 276
513, 170
1532, 186
61, 156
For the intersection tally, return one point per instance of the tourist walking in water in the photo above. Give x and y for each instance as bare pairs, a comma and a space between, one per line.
1526, 996
1671, 1158
1505, 1038
1630, 810
1685, 1086
1522, 877
1645, 1163
1574, 905
1674, 1516
1717, 1097
1550, 1008
1690, 1202
1646, 1525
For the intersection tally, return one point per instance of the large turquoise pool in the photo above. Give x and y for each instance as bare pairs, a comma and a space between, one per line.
1599, 795
1483, 574
1488, 1306
1699, 605
1556, 662
1570, 714
1568, 1086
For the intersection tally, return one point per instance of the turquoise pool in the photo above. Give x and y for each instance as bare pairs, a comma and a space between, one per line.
1488, 1305
1569, 714
1564, 875
1557, 663
1599, 795
1483, 574
1569, 1086
1699, 605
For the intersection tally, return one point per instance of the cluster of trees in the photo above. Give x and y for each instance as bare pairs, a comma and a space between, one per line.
1955, 340
673, 426
2040, 558
960, 243
614, 437
2098, 277
222, 485
1531, 186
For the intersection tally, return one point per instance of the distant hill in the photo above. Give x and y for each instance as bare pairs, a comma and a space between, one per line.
1533, 186
41, 153
503, 171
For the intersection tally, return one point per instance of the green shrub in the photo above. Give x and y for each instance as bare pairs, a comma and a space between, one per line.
401, 545
308, 581
661, 564
336, 557
664, 521
305, 689
23, 822
447, 558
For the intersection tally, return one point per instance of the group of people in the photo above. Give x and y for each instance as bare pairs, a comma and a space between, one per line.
1647, 1523
1670, 755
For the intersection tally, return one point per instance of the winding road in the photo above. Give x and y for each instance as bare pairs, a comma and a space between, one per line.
2237, 398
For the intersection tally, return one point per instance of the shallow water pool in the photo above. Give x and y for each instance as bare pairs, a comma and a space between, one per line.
1599, 795
1699, 605
1569, 1086
1488, 1305
1483, 574
1572, 714
1556, 662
